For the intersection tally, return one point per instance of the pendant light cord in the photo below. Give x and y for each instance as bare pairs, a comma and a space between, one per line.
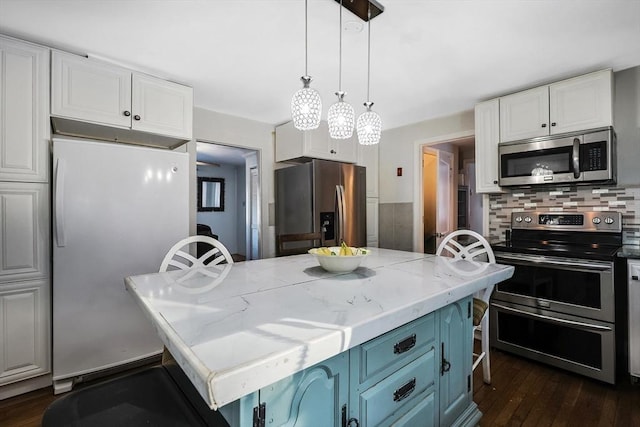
306, 44
340, 53
368, 50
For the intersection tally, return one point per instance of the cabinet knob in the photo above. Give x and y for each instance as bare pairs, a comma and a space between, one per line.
495, 181
127, 113
333, 151
136, 117
544, 125
553, 123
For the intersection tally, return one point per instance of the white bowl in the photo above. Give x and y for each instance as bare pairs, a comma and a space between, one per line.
340, 263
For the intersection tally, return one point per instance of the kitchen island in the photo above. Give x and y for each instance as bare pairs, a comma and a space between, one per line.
240, 332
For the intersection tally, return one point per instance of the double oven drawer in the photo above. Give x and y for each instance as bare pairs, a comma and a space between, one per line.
577, 287
559, 311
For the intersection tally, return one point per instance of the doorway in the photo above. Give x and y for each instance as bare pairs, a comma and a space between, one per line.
448, 173
438, 189
237, 226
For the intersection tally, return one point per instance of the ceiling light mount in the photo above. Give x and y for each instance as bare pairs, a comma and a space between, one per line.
360, 8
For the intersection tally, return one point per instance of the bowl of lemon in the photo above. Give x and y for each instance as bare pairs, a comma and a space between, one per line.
339, 259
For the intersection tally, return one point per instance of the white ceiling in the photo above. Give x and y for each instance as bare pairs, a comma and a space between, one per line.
429, 58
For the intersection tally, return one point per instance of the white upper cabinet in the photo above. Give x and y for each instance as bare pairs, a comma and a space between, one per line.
90, 91
487, 119
294, 144
524, 114
24, 96
579, 103
584, 102
162, 107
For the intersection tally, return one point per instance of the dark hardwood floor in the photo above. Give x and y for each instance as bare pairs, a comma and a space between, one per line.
522, 393
526, 393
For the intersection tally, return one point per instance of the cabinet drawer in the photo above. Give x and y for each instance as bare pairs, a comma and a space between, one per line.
398, 391
423, 414
380, 356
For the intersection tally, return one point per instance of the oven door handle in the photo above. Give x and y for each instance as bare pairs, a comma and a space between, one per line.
581, 325
536, 260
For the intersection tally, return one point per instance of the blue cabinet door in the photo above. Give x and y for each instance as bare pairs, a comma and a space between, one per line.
313, 397
455, 360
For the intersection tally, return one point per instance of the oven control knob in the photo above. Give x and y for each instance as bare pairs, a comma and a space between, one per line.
596, 220
608, 220
518, 219
527, 219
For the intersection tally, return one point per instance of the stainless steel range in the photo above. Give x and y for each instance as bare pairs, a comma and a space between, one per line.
559, 306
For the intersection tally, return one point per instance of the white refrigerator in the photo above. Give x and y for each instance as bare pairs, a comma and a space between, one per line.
117, 209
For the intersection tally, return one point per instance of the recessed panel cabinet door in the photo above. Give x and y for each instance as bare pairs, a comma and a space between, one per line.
24, 330
313, 397
524, 114
584, 102
24, 122
487, 125
90, 91
162, 107
456, 360
24, 231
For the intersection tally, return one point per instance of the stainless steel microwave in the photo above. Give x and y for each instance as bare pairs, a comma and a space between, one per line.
582, 157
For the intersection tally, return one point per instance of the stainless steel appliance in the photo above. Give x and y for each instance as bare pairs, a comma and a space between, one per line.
634, 318
324, 197
560, 305
567, 158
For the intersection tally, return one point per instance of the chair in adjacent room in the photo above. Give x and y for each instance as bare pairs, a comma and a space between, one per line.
293, 244
179, 256
471, 246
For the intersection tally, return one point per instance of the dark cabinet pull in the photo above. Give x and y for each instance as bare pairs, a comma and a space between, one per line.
495, 181
634, 277
553, 123
405, 345
404, 391
136, 117
444, 363
333, 151
127, 113
544, 125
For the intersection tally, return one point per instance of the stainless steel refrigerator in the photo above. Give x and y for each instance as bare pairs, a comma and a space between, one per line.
323, 197
117, 210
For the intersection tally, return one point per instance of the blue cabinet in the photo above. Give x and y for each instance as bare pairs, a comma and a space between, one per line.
455, 360
416, 375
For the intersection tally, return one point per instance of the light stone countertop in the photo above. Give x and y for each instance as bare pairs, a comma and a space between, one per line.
234, 329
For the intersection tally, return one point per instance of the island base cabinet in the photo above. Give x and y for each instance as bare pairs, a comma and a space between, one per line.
313, 397
416, 375
456, 330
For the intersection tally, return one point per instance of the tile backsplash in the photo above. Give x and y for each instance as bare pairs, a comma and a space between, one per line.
567, 199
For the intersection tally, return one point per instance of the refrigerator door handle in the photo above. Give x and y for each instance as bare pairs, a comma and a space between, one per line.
58, 196
341, 208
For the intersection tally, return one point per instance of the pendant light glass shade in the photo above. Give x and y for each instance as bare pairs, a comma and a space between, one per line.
369, 126
341, 118
306, 107
369, 123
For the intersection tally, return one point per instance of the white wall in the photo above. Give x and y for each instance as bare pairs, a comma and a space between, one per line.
398, 146
225, 129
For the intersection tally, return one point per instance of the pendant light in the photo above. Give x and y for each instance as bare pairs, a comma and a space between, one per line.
341, 116
369, 125
306, 105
